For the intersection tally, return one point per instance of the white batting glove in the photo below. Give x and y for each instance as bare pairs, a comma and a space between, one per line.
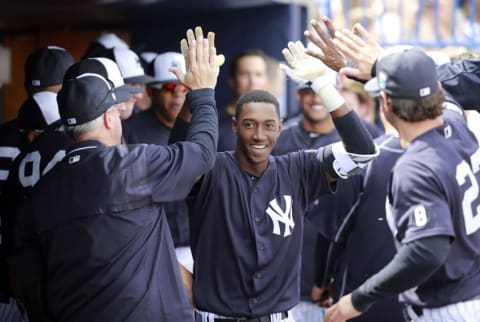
302, 68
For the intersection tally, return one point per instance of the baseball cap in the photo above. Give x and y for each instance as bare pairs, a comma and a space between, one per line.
46, 67
111, 40
130, 66
38, 111
100, 46
409, 73
147, 58
86, 97
460, 79
162, 63
104, 67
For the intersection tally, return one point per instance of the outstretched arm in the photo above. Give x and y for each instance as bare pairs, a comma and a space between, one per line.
201, 78
357, 148
413, 264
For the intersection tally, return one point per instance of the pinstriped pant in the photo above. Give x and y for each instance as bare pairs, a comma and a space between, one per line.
11, 312
201, 316
307, 312
468, 311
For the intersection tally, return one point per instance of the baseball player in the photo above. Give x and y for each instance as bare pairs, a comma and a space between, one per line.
362, 243
431, 201
44, 70
314, 130
92, 234
246, 213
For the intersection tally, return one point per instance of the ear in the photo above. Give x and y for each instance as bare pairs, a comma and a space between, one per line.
297, 94
234, 125
231, 82
31, 136
384, 106
108, 118
280, 127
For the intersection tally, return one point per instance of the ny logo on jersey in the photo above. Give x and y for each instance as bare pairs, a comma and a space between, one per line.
279, 216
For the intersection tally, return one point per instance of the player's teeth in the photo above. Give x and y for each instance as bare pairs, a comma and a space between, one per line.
257, 146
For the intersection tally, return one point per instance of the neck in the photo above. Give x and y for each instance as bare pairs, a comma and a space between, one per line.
162, 119
323, 127
107, 141
409, 131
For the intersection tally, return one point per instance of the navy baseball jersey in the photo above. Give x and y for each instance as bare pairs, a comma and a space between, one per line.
434, 191
111, 241
363, 243
11, 144
144, 127
94, 233
324, 217
292, 139
246, 233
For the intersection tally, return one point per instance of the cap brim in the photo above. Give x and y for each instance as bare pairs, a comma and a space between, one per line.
372, 86
141, 79
158, 83
130, 89
122, 94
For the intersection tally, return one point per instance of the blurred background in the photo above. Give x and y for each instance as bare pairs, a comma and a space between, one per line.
445, 26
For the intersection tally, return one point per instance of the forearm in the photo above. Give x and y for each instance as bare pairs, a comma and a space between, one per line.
203, 129
413, 264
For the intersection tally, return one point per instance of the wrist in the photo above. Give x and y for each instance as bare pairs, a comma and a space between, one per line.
330, 97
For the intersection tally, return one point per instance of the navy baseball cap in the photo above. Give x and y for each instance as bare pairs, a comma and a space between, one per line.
105, 67
46, 67
86, 97
458, 78
410, 73
38, 112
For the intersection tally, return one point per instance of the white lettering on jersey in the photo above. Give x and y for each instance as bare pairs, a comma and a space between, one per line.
8, 153
279, 216
34, 158
464, 171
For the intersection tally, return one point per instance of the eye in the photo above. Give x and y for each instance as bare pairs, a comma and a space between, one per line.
249, 125
270, 126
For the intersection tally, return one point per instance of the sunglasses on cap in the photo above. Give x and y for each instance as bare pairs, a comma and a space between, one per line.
174, 87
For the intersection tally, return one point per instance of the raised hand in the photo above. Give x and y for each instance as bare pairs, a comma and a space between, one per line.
220, 59
362, 53
301, 68
200, 57
325, 49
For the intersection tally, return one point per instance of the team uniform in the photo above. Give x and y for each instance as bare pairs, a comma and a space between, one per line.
108, 252
249, 237
293, 139
145, 127
433, 191
354, 254
10, 148
11, 145
321, 219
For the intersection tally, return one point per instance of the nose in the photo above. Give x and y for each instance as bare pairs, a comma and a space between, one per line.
259, 133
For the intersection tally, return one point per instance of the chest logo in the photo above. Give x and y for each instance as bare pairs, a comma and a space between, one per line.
278, 215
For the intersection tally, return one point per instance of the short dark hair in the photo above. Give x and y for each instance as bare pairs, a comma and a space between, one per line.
246, 53
420, 109
256, 96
